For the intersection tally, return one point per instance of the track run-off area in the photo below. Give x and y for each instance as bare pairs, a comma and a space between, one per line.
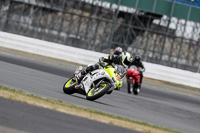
153, 105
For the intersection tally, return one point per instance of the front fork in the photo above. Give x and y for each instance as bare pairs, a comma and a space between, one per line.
131, 79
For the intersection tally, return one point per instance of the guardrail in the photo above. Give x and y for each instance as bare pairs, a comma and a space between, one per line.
84, 57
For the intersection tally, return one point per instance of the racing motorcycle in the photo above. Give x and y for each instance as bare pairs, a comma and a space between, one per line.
133, 76
95, 84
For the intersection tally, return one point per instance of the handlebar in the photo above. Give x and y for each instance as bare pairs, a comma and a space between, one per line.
101, 63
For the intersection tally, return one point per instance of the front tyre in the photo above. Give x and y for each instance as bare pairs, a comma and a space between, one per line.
97, 92
69, 86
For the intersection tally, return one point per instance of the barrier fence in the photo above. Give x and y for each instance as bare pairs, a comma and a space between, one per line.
85, 57
166, 34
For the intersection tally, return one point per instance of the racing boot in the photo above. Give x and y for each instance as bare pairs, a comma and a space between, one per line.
80, 86
80, 89
117, 88
138, 87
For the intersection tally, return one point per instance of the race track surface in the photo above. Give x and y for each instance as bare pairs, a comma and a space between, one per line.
160, 107
32, 119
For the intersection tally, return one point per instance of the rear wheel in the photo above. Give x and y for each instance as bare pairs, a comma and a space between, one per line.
69, 86
97, 92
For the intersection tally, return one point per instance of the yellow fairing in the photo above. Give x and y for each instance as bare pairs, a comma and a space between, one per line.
69, 83
92, 94
111, 71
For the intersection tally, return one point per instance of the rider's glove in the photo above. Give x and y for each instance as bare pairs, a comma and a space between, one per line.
90, 68
101, 59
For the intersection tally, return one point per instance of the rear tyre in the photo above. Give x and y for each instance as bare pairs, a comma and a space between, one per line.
69, 86
97, 92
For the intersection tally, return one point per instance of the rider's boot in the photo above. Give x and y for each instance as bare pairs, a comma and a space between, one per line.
80, 89
80, 86
141, 81
117, 88
138, 86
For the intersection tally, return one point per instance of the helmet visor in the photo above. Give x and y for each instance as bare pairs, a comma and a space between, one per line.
117, 53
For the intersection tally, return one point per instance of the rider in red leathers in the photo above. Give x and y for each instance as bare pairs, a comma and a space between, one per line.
138, 63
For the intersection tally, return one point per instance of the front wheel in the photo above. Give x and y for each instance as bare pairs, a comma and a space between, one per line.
69, 86
98, 91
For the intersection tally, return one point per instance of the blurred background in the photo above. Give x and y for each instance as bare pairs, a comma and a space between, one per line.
165, 32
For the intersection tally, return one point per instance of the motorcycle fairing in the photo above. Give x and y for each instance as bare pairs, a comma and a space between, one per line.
93, 76
70, 83
91, 91
111, 71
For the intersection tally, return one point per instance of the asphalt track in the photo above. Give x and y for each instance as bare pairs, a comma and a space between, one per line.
27, 118
160, 107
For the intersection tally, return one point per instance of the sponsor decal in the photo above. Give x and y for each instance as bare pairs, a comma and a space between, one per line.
97, 74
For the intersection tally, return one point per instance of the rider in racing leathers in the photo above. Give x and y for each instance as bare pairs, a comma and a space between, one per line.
138, 63
119, 58
113, 58
121, 62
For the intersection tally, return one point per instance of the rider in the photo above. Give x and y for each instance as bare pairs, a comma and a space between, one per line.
138, 63
121, 61
119, 58
113, 58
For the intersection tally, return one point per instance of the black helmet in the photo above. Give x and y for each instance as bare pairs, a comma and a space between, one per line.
137, 58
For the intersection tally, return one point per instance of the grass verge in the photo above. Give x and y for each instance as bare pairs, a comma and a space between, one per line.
82, 112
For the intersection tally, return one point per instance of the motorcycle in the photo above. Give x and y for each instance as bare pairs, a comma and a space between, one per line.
133, 76
95, 84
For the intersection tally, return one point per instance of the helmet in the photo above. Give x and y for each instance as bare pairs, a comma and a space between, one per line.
126, 59
137, 58
118, 51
